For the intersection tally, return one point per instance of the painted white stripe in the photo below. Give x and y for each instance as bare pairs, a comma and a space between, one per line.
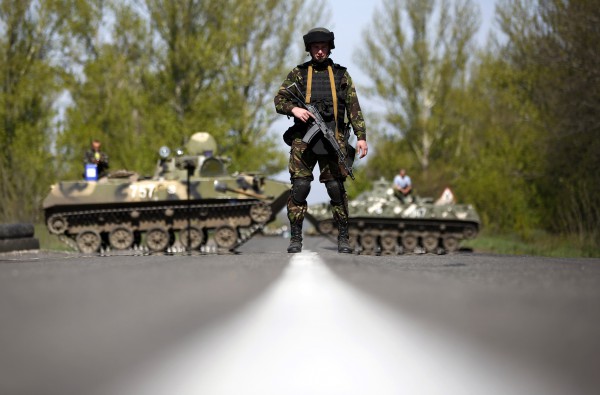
313, 334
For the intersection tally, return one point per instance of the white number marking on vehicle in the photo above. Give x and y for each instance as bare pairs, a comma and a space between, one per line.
142, 191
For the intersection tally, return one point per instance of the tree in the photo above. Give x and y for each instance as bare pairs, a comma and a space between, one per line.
222, 64
417, 59
164, 70
260, 55
498, 159
110, 88
28, 88
557, 42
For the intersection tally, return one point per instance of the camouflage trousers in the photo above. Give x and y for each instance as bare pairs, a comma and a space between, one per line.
295, 211
301, 165
303, 160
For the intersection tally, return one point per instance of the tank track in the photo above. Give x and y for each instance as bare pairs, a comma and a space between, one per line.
236, 215
69, 242
392, 237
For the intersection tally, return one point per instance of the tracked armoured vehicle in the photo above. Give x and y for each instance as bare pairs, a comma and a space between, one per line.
382, 224
123, 211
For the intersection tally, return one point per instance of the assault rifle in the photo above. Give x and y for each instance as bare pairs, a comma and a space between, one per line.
319, 125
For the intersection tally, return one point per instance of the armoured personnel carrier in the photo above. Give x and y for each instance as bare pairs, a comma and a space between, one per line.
191, 197
382, 224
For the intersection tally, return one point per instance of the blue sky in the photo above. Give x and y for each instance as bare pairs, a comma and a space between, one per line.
349, 19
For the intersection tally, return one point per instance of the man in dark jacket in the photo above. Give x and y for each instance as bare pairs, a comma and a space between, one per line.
97, 157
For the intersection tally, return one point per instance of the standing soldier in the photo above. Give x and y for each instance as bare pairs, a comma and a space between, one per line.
329, 87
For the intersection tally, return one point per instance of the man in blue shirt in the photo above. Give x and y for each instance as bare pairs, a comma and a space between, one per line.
402, 186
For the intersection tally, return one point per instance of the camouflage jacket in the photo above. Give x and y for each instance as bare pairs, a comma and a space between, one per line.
284, 103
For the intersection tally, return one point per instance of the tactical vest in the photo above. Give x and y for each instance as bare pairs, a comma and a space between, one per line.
320, 93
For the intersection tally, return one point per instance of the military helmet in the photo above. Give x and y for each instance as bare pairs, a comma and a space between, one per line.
318, 35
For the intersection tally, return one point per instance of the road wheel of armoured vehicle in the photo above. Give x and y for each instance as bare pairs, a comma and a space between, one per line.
120, 238
450, 243
388, 242
430, 243
88, 241
409, 242
368, 241
469, 232
226, 237
325, 227
57, 224
260, 212
157, 239
196, 237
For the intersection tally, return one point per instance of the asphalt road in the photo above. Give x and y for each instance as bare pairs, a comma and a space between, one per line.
266, 322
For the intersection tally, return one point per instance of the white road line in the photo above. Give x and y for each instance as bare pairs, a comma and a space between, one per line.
313, 334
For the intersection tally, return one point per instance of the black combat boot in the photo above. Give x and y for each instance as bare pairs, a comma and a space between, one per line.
295, 238
343, 239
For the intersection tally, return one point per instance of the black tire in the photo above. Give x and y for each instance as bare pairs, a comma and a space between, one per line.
26, 243
16, 231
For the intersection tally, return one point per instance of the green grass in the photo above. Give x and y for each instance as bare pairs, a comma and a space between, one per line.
539, 244
48, 241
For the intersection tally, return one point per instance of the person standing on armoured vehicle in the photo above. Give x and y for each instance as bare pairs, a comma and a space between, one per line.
328, 86
96, 157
